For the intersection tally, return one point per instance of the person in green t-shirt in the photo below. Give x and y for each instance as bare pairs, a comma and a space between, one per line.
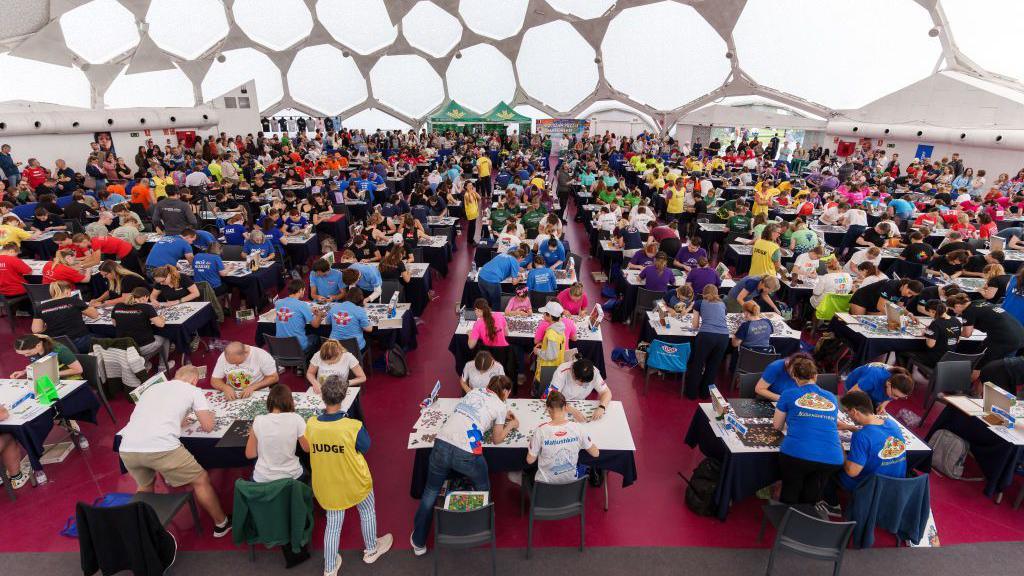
738, 223
803, 238
499, 216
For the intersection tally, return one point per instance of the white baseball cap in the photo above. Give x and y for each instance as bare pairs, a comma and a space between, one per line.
553, 309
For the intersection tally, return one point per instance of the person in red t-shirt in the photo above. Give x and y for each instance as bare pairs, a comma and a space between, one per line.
64, 241
34, 174
102, 246
60, 268
12, 271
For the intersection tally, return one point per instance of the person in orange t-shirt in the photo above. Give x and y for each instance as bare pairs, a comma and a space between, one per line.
142, 194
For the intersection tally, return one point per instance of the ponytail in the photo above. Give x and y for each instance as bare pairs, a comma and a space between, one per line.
488, 318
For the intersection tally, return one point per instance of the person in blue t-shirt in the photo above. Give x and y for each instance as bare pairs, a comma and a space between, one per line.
778, 377
502, 267
541, 278
553, 252
881, 382
756, 288
209, 267
234, 231
325, 283
167, 251
292, 314
203, 239
901, 209
368, 279
755, 332
295, 222
259, 242
877, 447
348, 318
811, 452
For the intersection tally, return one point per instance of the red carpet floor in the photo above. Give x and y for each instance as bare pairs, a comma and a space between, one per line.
649, 513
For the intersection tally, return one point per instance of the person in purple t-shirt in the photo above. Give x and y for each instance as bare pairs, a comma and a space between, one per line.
643, 258
702, 275
689, 254
658, 277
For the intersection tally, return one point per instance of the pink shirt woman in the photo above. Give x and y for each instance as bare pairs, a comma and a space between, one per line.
479, 332
573, 305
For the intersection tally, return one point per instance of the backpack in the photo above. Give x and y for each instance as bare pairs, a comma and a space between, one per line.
625, 357
949, 453
394, 362
701, 486
829, 352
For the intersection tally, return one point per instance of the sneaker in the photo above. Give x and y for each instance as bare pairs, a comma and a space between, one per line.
383, 545
83, 442
25, 466
417, 550
337, 566
222, 531
19, 479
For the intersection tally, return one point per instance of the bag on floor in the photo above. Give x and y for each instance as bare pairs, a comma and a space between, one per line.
70, 528
394, 362
608, 292
949, 454
610, 306
625, 357
701, 486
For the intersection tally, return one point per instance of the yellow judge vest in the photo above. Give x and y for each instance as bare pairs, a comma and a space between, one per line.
761, 263
341, 477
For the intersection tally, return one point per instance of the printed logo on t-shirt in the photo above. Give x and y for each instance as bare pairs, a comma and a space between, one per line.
342, 318
476, 439
240, 377
284, 314
893, 448
814, 401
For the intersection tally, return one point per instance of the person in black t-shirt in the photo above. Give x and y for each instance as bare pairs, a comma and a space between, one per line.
171, 287
917, 303
392, 266
977, 263
996, 280
63, 315
953, 242
952, 264
875, 236
941, 335
135, 318
1004, 334
871, 299
120, 283
364, 251
918, 251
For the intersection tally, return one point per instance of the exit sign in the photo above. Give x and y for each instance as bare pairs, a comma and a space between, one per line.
134, 134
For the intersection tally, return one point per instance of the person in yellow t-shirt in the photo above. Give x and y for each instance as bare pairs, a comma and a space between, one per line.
11, 231
763, 194
765, 254
483, 172
160, 181
341, 476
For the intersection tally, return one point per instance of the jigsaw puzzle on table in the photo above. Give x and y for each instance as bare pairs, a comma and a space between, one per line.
779, 326
378, 313
892, 253
441, 221
297, 239
761, 435
752, 408
970, 284
227, 411
712, 227
433, 241
748, 249
174, 314
877, 326
526, 326
233, 268
829, 229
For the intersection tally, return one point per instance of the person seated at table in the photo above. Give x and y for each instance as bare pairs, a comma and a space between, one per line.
690, 254
209, 267
658, 277
1004, 333
273, 436
867, 273
755, 331
803, 238
778, 377
12, 232
490, 328
294, 223
953, 242
872, 255
259, 242
458, 448
643, 258
18, 470
242, 369
996, 280
234, 231
978, 263
682, 299
941, 336
151, 444
555, 445
333, 360
44, 221
35, 346
519, 304
811, 452
325, 283
135, 318
169, 249
477, 373
348, 319
64, 269
363, 250
877, 446
872, 299
499, 269
756, 288
365, 276
834, 281
292, 314
917, 250
552, 312
171, 288
64, 314
392, 266
553, 253
951, 265
575, 380
541, 278
12, 272
574, 300
883, 383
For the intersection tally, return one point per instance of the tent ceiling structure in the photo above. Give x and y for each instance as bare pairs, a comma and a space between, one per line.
664, 58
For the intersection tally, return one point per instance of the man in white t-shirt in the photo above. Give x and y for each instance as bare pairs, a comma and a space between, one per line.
555, 446
242, 370
576, 380
151, 444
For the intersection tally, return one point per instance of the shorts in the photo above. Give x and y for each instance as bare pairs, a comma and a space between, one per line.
178, 467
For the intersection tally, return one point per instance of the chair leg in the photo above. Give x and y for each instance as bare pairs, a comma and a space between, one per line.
771, 562
647, 376
195, 514
529, 533
583, 529
437, 553
929, 403
1020, 498
494, 555
604, 482
10, 315
106, 403
252, 552
764, 524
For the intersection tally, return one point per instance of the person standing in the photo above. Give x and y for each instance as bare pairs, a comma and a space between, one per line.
710, 344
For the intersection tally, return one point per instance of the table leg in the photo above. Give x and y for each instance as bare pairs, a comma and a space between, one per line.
604, 478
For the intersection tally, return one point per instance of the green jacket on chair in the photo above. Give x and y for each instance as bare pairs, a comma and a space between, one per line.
273, 513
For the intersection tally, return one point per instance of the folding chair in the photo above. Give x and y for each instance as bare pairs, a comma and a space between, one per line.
554, 502
465, 530
811, 537
669, 358
287, 352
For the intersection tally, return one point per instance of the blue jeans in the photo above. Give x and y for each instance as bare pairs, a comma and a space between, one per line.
445, 458
491, 293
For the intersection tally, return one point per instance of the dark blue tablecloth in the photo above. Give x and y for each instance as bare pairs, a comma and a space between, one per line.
337, 230
866, 349
302, 253
417, 293
996, 457
589, 349
745, 473
404, 336
81, 405
202, 322
257, 287
783, 346
622, 462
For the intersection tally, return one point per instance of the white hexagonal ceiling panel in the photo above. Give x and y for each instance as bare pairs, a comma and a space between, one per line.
981, 30
100, 30
481, 78
187, 28
323, 79
429, 28
407, 84
239, 67
889, 36
497, 20
276, 24
362, 25
37, 79
157, 89
556, 65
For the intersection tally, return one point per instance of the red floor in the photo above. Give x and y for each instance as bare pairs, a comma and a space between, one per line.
649, 513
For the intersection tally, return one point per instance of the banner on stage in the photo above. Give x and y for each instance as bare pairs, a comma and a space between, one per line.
564, 126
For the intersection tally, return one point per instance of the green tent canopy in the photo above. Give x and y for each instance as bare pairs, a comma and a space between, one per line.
505, 114
455, 113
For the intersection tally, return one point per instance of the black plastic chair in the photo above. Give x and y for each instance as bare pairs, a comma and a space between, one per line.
90, 371
810, 537
829, 382
554, 502
504, 300
952, 377
389, 287
68, 343
167, 506
465, 530
904, 269
748, 382
232, 252
10, 305
544, 379
540, 299
287, 351
365, 358
949, 356
751, 361
645, 300
37, 293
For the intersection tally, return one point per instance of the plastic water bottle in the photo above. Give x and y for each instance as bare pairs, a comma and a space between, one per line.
393, 305
473, 269
571, 265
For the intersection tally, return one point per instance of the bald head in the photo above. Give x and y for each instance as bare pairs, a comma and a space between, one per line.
236, 352
187, 373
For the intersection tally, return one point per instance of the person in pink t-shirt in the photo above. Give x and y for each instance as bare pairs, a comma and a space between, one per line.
573, 300
490, 327
519, 304
550, 317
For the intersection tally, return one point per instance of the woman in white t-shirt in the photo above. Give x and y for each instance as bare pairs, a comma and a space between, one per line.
555, 446
835, 281
477, 373
332, 359
273, 437
873, 254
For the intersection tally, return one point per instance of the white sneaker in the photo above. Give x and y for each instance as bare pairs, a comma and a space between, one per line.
383, 545
19, 479
337, 566
417, 550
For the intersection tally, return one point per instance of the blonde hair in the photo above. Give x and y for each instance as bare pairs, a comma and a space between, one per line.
63, 257
118, 272
168, 271
710, 293
993, 271
59, 288
751, 307
331, 349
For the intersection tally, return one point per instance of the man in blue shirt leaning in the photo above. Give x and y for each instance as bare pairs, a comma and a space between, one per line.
368, 277
502, 267
292, 314
325, 283
170, 249
541, 278
877, 447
